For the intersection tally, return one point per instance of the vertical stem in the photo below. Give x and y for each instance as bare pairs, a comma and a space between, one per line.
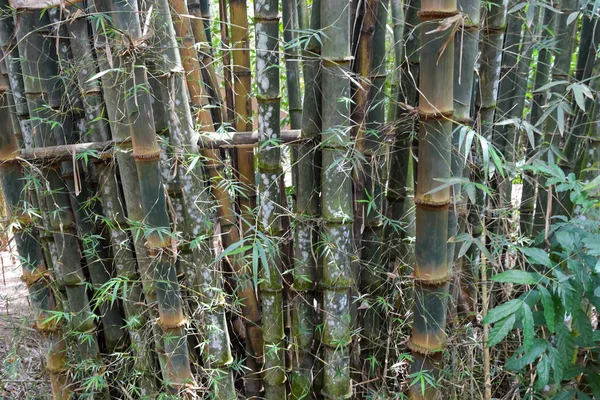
431, 272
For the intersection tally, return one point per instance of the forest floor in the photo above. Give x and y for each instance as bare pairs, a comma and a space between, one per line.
22, 373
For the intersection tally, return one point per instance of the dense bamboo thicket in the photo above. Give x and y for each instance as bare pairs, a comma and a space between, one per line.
414, 217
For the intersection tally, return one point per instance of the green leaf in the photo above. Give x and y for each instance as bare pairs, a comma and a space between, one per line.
568, 395
583, 326
543, 371
501, 329
548, 304
520, 277
536, 256
502, 311
523, 357
528, 328
565, 350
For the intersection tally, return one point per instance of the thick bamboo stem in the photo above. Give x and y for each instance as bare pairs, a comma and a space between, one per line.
146, 153
305, 376
197, 228
431, 272
542, 75
43, 94
31, 255
229, 226
336, 198
266, 19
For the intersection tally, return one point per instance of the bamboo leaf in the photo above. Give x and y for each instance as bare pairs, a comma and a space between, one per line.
502, 311
572, 17
102, 73
579, 96
567, 395
550, 86
501, 329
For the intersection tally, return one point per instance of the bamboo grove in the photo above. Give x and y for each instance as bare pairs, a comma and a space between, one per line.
305, 199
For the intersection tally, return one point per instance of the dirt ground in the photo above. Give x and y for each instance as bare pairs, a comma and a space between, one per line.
22, 373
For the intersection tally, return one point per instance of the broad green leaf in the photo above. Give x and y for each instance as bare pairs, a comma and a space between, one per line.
528, 328
568, 395
520, 277
583, 326
543, 371
500, 330
536, 256
548, 305
523, 357
565, 351
502, 311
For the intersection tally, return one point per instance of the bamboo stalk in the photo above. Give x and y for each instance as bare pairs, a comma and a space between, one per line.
466, 42
230, 231
336, 198
542, 75
243, 108
292, 57
93, 246
146, 154
431, 272
565, 36
197, 231
31, 256
38, 62
269, 169
373, 276
305, 376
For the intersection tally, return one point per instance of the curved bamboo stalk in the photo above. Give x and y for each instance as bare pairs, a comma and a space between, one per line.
198, 228
542, 75
31, 255
307, 163
337, 245
146, 154
431, 272
269, 170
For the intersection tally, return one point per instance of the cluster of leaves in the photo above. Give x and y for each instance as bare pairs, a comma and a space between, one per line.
556, 310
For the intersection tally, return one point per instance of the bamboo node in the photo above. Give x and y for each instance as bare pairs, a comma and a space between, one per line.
425, 116
32, 277
167, 327
146, 157
437, 14
422, 350
431, 204
432, 281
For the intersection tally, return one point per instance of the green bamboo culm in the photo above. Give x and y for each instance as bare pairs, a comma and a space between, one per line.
82, 195
307, 163
431, 271
292, 66
542, 75
400, 187
43, 93
494, 28
373, 275
146, 152
467, 40
556, 124
197, 204
266, 16
31, 255
97, 130
336, 246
